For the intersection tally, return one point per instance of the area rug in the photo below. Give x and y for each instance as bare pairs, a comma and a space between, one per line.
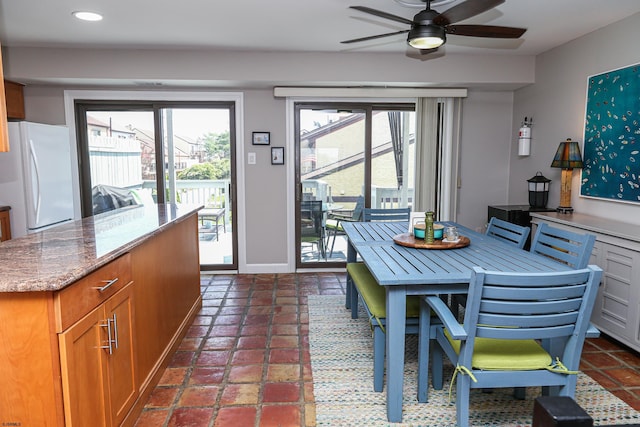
342, 367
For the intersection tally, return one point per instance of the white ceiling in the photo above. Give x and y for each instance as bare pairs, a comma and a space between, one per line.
288, 25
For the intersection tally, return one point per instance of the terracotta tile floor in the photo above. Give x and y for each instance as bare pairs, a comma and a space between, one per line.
245, 360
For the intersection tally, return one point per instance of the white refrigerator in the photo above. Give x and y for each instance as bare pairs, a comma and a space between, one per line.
35, 177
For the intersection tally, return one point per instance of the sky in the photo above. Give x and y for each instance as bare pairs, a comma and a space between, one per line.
189, 122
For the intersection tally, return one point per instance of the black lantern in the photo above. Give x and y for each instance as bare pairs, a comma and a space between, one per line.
538, 191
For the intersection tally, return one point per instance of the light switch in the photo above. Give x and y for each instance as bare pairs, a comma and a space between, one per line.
251, 158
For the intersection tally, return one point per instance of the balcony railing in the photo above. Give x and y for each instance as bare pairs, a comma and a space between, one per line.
207, 192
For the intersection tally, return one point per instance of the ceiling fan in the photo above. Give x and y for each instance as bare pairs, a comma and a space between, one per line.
429, 27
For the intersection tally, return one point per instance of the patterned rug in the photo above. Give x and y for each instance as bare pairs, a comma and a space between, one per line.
342, 365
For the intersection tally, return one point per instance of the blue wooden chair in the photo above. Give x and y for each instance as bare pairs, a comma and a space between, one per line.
396, 214
566, 247
507, 314
508, 232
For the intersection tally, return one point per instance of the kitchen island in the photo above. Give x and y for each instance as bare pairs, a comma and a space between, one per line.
91, 312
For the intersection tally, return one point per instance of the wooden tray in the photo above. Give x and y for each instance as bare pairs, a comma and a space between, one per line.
406, 239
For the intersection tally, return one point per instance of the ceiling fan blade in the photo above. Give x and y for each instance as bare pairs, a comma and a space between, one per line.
362, 39
382, 14
465, 10
490, 31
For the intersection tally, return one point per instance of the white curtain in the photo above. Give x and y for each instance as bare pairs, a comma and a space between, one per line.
437, 143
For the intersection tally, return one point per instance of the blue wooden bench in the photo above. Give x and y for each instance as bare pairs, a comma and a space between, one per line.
374, 300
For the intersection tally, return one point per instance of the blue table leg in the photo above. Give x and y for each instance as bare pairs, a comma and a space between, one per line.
396, 315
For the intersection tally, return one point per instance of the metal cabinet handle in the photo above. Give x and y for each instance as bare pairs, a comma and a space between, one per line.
115, 330
108, 284
109, 341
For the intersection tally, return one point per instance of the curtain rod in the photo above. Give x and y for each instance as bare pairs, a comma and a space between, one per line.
369, 92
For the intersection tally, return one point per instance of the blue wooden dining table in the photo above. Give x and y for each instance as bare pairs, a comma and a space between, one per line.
406, 271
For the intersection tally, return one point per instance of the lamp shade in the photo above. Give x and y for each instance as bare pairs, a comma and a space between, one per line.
568, 155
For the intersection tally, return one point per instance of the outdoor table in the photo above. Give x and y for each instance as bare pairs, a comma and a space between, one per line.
213, 214
410, 271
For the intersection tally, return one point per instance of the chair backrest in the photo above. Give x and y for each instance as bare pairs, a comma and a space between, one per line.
398, 214
508, 232
356, 214
521, 306
311, 218
567, 247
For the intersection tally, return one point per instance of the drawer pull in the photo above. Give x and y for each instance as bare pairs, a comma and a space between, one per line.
107, 285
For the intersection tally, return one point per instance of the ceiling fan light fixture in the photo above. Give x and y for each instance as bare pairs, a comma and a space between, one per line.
426, 37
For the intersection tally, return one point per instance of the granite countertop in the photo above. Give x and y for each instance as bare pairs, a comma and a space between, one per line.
52, 259
595, 224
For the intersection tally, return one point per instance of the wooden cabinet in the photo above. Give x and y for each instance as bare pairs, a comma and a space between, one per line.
617, 251
91, 353
14, 97
97, 359
5, 224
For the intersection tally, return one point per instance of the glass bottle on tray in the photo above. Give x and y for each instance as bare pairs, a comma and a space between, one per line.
428, 227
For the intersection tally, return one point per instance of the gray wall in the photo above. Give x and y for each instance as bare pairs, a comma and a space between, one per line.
557, 103
486, 131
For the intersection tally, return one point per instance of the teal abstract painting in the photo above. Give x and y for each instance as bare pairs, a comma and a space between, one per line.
612, 136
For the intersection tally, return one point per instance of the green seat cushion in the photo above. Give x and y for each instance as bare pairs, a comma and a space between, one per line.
333, 224
506, 355
374, 295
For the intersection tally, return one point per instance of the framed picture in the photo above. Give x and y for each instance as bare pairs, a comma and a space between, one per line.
610, 151
277, 155
261, 138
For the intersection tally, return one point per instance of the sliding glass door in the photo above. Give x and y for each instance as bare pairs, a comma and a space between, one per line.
140, 153
348, 156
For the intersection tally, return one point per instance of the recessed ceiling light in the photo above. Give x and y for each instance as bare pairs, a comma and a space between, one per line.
87, 16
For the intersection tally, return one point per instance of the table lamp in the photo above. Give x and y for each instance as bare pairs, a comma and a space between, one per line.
567, 158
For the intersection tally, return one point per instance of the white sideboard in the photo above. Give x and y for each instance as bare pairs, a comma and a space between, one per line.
617, 252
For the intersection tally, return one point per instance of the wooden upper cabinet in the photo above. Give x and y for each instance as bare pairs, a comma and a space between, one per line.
14, 99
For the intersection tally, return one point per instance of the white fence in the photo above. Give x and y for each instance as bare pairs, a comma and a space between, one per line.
207, 192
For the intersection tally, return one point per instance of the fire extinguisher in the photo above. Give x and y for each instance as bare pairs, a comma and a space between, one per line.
524, 138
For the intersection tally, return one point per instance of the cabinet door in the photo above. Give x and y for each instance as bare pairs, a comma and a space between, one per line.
97, 357
122, 384
84, 371
616, 310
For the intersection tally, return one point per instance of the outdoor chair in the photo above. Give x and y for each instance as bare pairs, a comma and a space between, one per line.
334, 222
508, 232
311, 228
567, 247
397, 214
506, 318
